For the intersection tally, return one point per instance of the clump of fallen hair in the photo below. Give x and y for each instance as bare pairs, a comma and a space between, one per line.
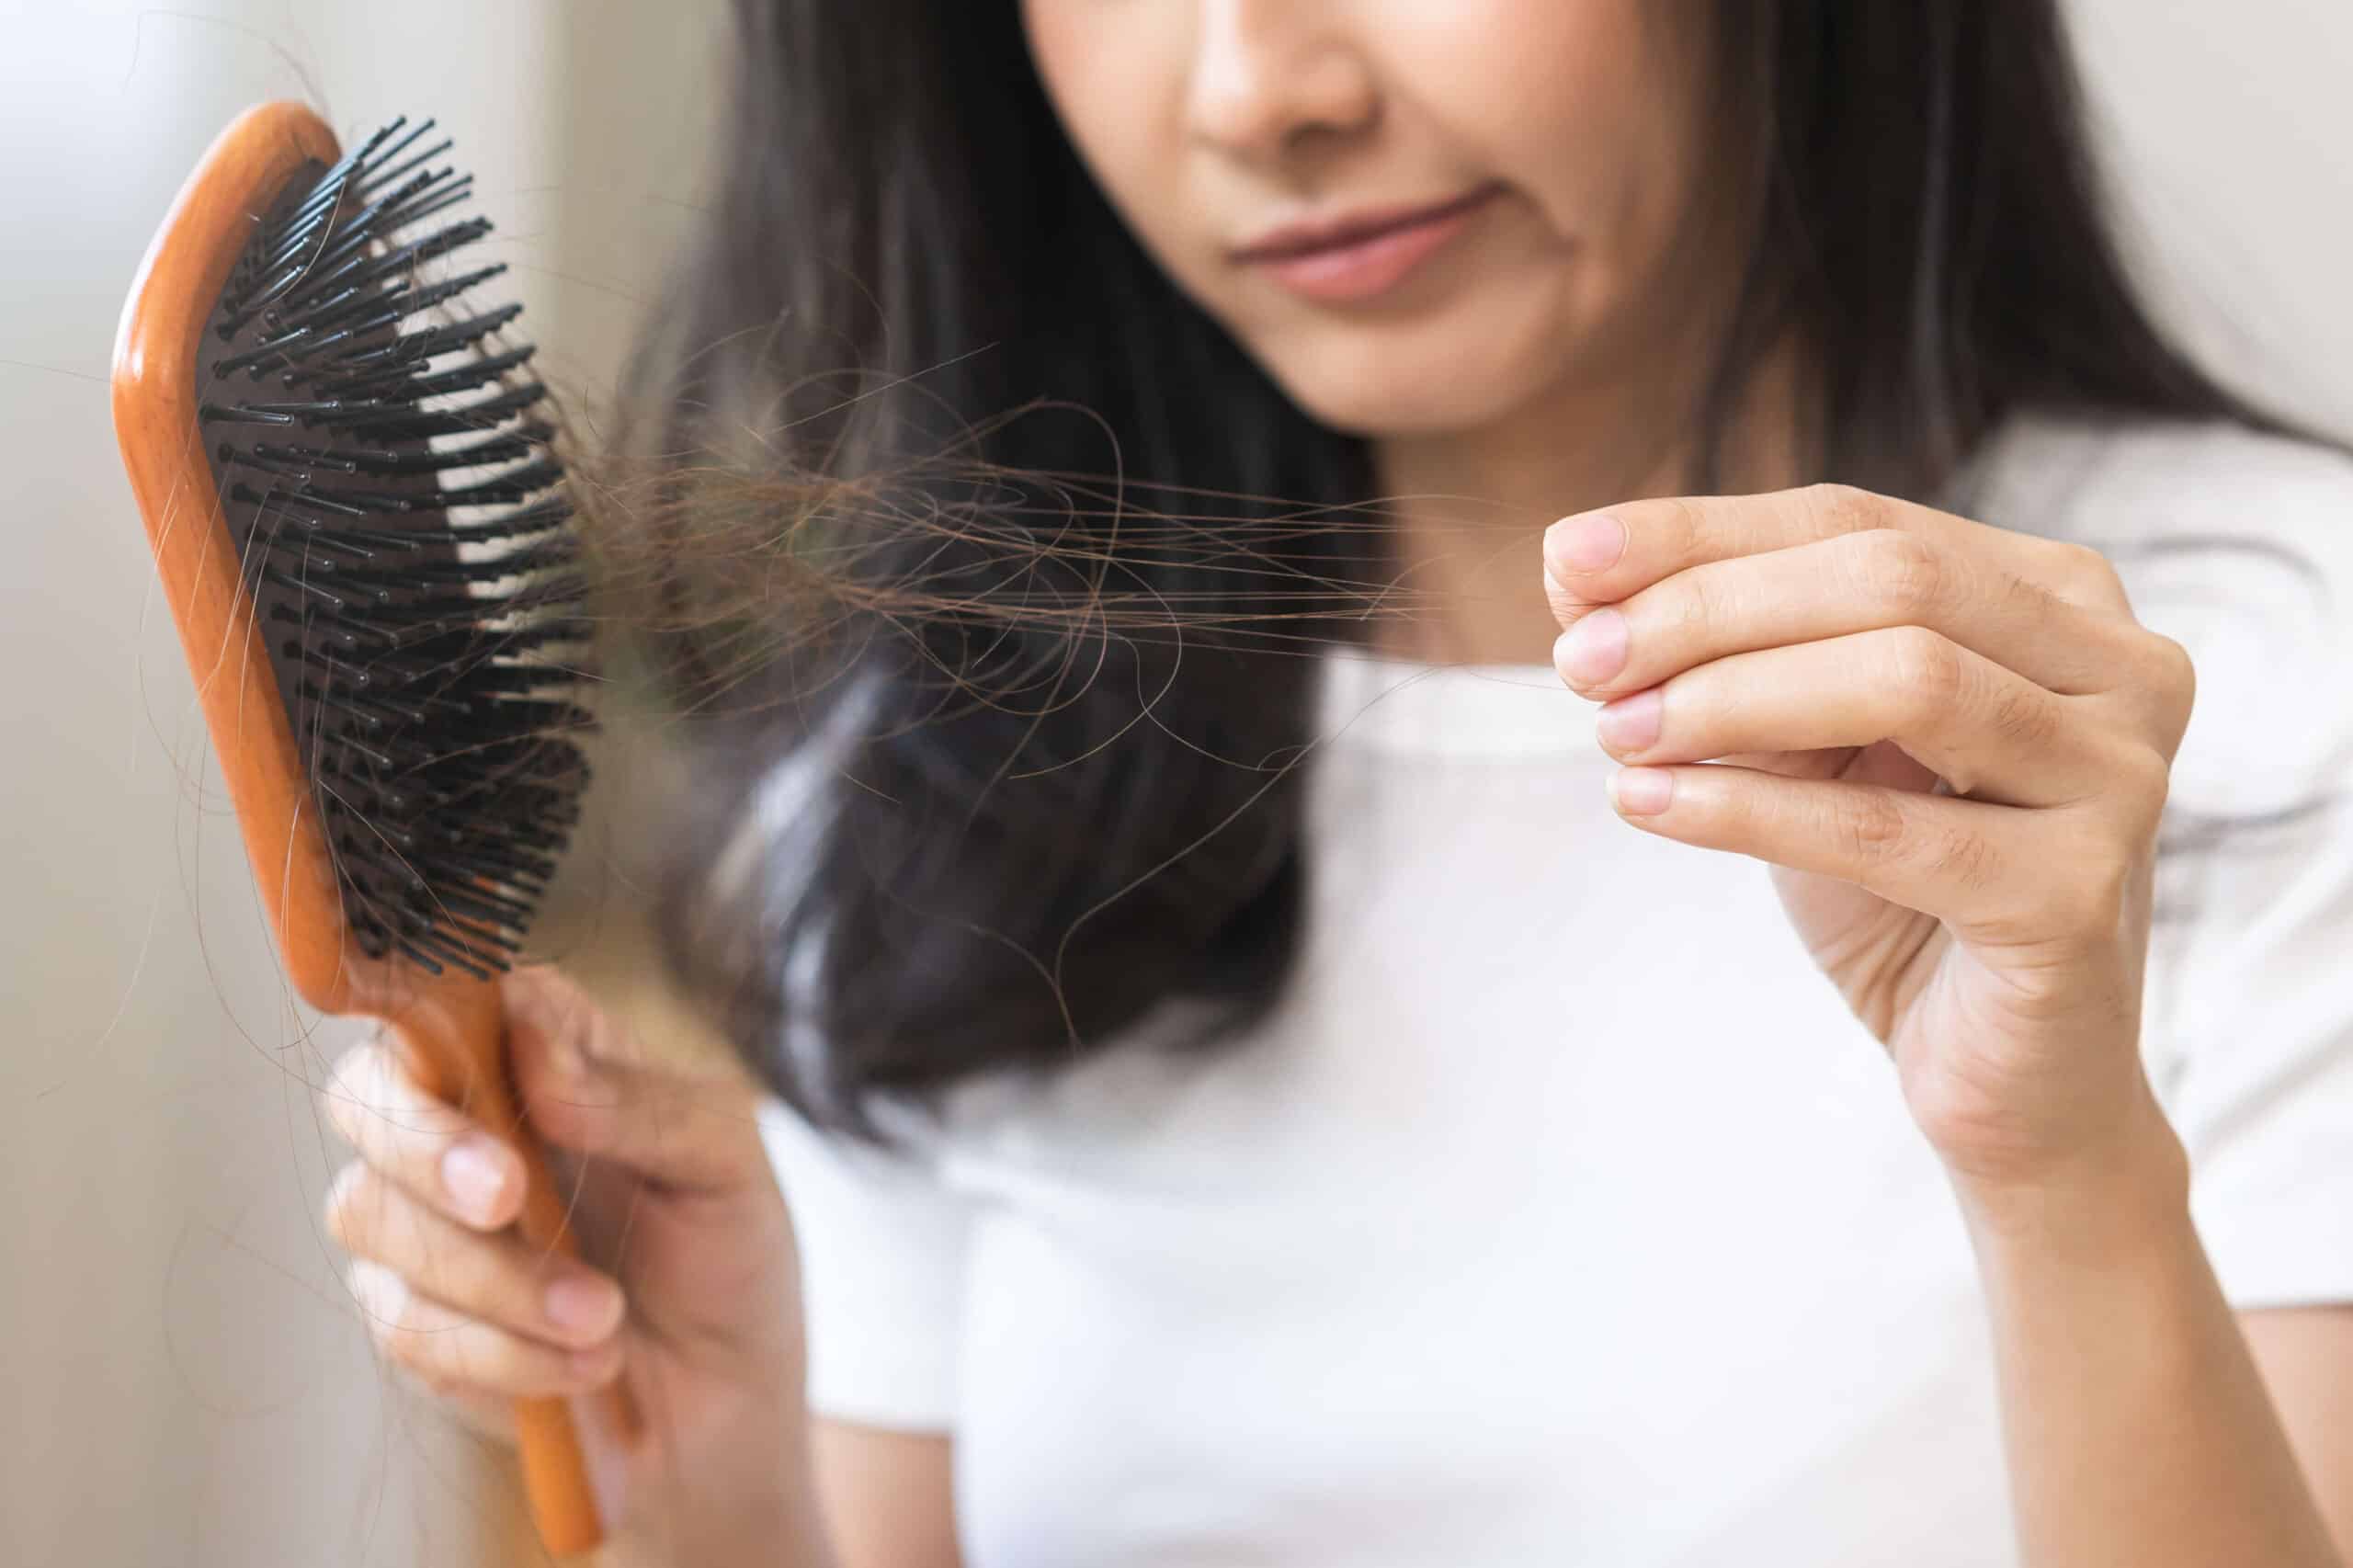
983, 762
713, 568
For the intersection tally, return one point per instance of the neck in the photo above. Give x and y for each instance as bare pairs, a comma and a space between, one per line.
1472, 505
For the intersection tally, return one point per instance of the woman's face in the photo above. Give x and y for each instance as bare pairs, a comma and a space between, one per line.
1416, 214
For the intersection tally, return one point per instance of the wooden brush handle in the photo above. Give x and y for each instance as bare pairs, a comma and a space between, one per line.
456, 1025
456, 1036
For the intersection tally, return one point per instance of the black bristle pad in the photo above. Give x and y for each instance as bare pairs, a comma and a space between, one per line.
376, 439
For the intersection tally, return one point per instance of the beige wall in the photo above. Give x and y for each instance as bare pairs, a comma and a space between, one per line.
2231, 128
184, 1383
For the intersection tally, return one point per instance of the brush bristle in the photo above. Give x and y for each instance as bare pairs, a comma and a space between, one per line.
408, 548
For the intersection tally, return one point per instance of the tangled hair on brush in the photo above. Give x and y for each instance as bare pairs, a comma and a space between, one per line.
996, 650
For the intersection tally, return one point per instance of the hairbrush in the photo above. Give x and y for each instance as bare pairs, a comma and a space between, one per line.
362, 534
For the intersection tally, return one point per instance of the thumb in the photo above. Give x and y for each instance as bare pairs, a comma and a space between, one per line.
586, 1087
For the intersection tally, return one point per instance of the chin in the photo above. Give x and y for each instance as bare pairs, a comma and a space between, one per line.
1443, 377
1374, 413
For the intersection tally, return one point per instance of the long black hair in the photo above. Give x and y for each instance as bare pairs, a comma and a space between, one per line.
933, 844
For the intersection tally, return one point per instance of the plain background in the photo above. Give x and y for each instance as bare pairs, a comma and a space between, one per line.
182, 1378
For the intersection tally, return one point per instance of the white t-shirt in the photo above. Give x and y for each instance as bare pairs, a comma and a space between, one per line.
1563, 1213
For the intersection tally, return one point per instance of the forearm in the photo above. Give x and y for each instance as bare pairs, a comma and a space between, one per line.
2137, 1427
743, 1493
785, 1530
780, 1531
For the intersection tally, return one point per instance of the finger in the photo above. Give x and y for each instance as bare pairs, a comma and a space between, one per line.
487, 1414
1602, 557
588, 1088
423, 1144
447, 1348
1868, 581
1987, 870
499, 1278
1988, 732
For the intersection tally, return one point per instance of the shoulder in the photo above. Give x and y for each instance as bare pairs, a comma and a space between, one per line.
2234, 543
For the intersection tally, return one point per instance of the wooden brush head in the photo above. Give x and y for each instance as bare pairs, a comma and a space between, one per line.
360, 532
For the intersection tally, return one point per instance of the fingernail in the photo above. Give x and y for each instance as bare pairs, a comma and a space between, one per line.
1593, 650
584, 1304
1641, 792
1630, 722
473, 1171
1584, 544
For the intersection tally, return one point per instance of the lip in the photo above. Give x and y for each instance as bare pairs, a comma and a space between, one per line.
1358, 255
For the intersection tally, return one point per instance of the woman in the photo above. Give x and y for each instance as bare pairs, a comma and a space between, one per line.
1446, 1150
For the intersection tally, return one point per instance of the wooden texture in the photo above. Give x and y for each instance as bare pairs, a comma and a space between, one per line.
453, 1022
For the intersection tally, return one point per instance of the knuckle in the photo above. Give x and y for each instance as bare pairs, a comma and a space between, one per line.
1849, 509
1927, 665
2175, 670
568, 1030
1902, 573
1686, 526
2022, 715
2174, 678
1697, 605
1871, 828
2089, 575
2026, 596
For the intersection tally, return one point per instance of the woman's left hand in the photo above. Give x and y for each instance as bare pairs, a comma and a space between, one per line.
1951, 741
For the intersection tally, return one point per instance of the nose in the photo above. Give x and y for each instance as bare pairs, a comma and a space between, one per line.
1268, 73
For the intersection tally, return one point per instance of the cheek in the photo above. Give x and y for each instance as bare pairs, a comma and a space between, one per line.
1584, 105
1578, 104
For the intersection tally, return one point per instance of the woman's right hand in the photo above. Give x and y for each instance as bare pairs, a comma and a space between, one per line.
687, 1288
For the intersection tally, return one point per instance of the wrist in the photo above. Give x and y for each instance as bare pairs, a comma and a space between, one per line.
768, 1511
2120, 1194
774, 1521
735, 1483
